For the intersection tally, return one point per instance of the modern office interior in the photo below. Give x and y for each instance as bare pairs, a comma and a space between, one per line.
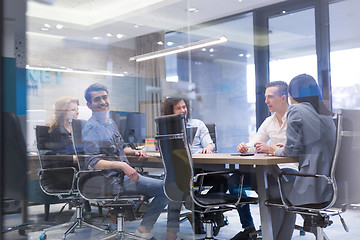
217, 54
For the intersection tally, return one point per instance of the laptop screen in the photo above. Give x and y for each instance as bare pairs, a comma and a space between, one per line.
190, 133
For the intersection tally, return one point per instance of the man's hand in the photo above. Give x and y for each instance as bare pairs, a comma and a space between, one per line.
262, 147
242, 148
141, 153
205, 150
130, 172
208, 149
273, 148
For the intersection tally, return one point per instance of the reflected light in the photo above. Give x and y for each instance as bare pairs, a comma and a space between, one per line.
69, 70
178, 49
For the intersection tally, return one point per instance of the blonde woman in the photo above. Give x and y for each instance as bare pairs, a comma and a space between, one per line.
66, 108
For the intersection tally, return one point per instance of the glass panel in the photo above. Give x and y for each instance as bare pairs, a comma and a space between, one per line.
72, 44
345, 50
219, 79
292, 45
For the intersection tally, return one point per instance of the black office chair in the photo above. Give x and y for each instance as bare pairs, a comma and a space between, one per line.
347, 169
57, 177
317, 214
122, 204
212, 131
179, 179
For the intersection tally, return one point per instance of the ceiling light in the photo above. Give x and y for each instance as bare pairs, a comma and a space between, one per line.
138, 25
241, 55
45, 35
283, 11
178, 49
59, 26
69, 70
160, 43
203, 49
248, 55
44, 29
192, 10
169, 43
96, 38
119, 35
109, 35
211, 50
240, 0
47, 25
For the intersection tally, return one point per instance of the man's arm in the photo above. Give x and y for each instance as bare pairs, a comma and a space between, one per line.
258, 142
123, 166
141, 153
205, 139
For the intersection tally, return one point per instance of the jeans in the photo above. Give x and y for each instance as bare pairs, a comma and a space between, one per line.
246, 219
152, 188
283, 222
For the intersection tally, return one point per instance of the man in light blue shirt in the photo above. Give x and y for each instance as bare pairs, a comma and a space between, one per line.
107, 151
202, 142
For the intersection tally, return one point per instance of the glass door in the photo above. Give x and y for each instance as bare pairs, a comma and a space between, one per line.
292, 45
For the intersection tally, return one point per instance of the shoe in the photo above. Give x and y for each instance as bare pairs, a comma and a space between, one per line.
244, 235
144, 235
219, 222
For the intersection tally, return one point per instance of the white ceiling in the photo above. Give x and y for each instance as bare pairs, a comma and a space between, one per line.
85, 19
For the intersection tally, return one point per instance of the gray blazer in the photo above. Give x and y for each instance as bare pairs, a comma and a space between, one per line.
310, 138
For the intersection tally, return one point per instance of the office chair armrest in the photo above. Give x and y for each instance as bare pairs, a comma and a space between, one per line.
198, 175
328, 179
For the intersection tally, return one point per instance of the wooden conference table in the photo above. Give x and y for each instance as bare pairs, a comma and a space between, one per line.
263, 164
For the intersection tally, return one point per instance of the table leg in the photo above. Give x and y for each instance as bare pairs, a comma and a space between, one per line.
265, 215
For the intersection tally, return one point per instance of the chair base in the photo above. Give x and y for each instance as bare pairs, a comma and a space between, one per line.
79, 222
120, 232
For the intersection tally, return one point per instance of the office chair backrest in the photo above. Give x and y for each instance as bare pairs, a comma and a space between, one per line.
347, 169
76, 134
57, 175
175, 155
48, 148
212, 131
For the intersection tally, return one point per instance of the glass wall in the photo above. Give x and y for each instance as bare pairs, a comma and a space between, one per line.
219, 79
345, 49
72, 44
292, 45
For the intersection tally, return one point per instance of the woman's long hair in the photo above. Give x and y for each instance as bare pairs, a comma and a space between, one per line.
61, 109
303, 88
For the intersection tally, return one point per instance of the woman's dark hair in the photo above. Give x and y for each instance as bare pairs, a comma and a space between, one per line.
168, 104
95, 87
303, 88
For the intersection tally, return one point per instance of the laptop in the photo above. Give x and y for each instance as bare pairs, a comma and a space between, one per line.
190, 133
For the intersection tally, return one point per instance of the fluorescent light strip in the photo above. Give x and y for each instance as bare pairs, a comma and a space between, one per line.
49, 69
178, 49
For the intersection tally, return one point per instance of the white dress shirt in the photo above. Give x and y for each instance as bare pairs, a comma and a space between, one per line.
271, 130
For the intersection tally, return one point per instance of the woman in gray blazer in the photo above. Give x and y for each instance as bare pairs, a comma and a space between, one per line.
311, 138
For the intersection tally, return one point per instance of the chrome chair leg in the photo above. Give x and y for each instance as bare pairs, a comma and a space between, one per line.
120, 232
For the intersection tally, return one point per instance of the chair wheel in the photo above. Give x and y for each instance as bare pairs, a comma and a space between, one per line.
43, 236
302, 233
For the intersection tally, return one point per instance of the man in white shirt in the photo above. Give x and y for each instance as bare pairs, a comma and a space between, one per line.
274, 129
